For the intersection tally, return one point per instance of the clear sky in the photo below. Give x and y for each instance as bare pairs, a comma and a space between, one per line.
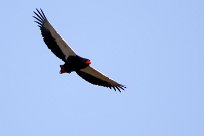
155, 48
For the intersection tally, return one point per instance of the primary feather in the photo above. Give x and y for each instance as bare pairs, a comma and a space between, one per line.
95, 77
51, 38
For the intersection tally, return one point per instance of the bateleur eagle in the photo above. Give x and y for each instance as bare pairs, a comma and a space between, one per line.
73, 62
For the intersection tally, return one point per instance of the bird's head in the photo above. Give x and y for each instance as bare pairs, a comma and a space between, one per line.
87, 62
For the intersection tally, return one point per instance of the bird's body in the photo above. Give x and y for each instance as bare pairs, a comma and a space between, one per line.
73, 62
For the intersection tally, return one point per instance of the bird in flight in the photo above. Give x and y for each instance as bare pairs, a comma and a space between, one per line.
73, 62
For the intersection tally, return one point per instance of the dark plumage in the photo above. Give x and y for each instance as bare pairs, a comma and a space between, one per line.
73, 62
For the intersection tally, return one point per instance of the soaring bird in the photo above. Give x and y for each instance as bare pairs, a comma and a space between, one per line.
72, 61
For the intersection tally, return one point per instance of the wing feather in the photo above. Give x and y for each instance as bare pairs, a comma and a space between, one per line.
95, 77
51, 38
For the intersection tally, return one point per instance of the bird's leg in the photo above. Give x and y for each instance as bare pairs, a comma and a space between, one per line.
62, 70
65, 69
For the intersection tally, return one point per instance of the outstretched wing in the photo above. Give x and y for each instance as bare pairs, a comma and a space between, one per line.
95, 77
51, 38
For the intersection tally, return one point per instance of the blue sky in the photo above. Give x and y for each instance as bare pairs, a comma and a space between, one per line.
155, 48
